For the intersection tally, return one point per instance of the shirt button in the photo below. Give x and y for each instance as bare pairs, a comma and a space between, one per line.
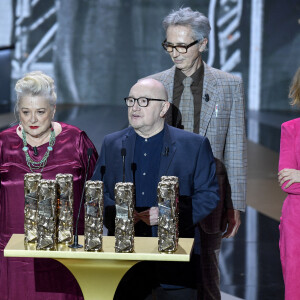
146, 140
144, 174
145, 154
143, 193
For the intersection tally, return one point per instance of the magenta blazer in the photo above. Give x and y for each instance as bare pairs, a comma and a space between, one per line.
289, 227
290, 151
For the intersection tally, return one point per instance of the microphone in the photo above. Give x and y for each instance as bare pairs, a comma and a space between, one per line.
166, 151
75, 244
89, 153
35, 150
206, 97
123, 154
102, 172
133, 169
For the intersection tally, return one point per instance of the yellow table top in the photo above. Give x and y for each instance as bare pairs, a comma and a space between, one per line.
146, 248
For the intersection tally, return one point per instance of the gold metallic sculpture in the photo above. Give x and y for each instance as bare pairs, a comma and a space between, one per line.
124, 222
65, 208
93, 219
47, 215
168, 197
31, 181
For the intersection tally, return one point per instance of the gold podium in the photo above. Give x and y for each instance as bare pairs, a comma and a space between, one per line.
99, 273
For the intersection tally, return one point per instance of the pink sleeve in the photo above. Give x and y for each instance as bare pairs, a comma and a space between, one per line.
0, 165
287, 157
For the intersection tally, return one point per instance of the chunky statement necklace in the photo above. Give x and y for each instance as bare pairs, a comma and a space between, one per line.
37, 165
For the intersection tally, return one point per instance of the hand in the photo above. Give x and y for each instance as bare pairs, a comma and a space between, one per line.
232, 221
153, 216
149, 216
136, 217
288, 174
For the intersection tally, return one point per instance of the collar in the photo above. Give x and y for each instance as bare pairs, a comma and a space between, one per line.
197, 76
152, 138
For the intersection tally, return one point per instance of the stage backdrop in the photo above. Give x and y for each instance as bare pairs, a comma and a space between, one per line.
97, 49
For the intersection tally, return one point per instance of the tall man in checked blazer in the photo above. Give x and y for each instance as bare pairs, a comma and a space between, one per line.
212, 106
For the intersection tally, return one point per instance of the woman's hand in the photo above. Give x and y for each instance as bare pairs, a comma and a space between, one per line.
288, 174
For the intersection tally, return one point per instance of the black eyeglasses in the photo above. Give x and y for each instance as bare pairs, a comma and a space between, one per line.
142, 101
180, 48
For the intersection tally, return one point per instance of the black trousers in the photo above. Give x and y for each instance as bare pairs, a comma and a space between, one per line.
138, 282
151, 280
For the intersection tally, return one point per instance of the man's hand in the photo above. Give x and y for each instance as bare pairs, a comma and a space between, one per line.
153, 216
288, 174
149, 216
232, 221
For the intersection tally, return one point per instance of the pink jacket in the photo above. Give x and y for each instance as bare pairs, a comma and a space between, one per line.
290, 151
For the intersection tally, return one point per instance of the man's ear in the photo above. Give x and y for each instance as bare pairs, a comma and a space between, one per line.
202, 45
164, 109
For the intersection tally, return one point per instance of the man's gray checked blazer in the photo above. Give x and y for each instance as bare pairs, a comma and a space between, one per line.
222, 121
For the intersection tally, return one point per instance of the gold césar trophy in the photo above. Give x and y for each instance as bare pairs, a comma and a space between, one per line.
31, 182
124, 221
93, 217
47, 215
168, 197
65, 208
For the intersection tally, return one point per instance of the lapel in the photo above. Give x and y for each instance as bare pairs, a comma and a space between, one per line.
128, 142
168, 81
168, 151
207, 108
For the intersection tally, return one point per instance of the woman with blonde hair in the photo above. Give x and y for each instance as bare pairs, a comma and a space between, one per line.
289, 180
37, 144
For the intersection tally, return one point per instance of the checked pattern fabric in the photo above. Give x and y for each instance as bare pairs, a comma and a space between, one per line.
186, 105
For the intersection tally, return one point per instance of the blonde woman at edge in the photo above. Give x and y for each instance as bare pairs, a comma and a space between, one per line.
289, 180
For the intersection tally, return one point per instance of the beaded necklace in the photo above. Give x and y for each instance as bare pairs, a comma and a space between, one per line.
37, 165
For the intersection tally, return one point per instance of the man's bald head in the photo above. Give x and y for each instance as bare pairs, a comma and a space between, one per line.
153, 86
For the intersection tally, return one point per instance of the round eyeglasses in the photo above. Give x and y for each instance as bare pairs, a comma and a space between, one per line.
142, 101
179, 48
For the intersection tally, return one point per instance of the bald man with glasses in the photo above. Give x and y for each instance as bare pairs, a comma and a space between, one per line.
157, 149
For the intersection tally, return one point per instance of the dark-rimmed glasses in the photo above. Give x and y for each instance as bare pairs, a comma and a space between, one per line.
179, 48
142, 101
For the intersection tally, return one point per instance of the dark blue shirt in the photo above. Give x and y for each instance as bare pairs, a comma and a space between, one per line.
147, 153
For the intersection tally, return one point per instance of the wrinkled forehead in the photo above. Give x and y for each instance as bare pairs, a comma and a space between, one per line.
34, 102
181, 32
